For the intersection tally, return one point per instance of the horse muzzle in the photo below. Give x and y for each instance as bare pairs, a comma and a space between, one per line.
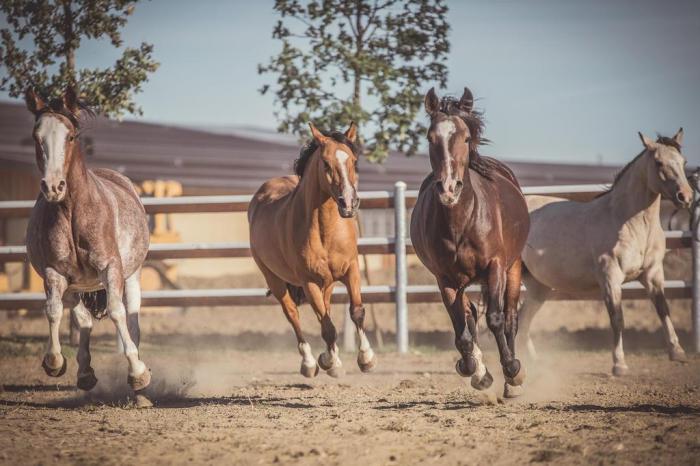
449, 195
53, 191
683, 199
348, 211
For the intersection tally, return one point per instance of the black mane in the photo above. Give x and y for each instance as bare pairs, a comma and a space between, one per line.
474, 119
666, 141
308, 149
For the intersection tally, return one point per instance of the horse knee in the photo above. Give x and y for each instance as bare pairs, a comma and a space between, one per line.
495, 321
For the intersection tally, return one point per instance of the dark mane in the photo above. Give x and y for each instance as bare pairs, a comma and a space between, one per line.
666, 141
308, 149
484, 166
57, 106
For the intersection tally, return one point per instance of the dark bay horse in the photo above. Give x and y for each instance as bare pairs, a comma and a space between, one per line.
87, 238
469, 225
304, 239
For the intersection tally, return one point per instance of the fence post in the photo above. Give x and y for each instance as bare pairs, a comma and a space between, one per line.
400, 255
695, 245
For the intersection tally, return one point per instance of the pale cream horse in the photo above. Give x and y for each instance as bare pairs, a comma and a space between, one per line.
613, 239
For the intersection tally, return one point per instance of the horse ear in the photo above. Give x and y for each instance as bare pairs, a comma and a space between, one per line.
467, 101
432, 102
317, 135
648, 143
678, 137
34, 103
351, 133
70, 100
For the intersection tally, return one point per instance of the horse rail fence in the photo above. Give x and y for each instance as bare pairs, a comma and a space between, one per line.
399, 245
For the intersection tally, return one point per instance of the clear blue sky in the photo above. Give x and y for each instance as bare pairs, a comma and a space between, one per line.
559, 80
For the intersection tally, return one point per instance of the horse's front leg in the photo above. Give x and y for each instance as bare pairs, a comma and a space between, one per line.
366, 358
132, 299
55, 285
320, 302
461, 314
653, 281
82, 320
495, 318
112, 277
611, 283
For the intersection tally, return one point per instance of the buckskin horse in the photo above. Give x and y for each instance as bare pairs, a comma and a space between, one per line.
87, 238
303, 239
611, 240
469, 225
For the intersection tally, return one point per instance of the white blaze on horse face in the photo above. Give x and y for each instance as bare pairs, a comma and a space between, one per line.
52, 133
445, 129
342, 158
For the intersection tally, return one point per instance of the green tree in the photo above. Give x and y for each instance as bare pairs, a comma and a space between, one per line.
382, 51
55, 28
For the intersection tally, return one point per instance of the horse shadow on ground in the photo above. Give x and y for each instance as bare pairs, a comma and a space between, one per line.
633, 408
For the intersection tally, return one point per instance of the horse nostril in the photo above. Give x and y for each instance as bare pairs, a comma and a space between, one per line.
61, 185
458, 186
680, 195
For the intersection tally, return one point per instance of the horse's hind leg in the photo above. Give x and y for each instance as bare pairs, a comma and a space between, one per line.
495, 318
534, 299
512, 387
279, 290
139, 375
83, 321
55, 286
320, 302
132, 299
653, 281
366, 358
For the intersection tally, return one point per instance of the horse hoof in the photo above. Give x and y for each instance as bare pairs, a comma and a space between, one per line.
483, 383
678, 355
88, 380
141, 402
466, 368
620, 370
139, 382
55, 372
325, 361
369, 365
512, 391
335, 372
511, 369
518, 379
309, 371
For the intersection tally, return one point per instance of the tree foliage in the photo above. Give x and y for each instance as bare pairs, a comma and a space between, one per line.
383, 51
55, 29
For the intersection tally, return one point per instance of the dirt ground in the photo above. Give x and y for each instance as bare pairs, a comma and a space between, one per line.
224, 400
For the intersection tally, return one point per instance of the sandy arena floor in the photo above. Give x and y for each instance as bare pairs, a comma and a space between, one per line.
223, 406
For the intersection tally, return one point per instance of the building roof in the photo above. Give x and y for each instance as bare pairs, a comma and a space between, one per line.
233, 163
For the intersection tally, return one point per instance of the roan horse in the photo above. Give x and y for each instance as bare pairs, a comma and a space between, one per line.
88, 231
469, 225
611, 240
303, 239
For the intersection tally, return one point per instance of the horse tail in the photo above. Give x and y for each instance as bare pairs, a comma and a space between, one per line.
95, 302
296, 292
